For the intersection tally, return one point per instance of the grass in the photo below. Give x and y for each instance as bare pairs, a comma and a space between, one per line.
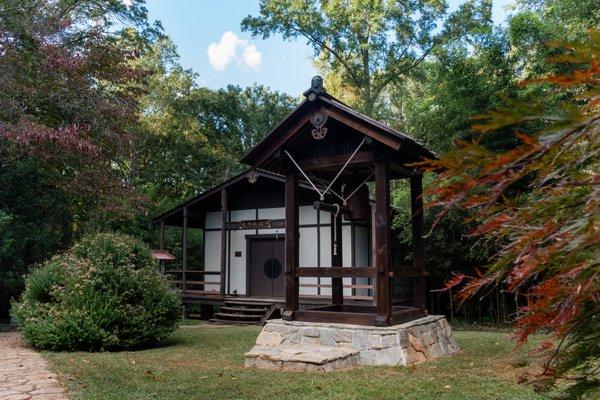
205, 362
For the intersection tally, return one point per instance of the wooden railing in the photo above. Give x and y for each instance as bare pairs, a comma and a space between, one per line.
194, 282
327, 296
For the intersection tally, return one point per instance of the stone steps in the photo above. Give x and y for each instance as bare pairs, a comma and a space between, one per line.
243, 312
301, 358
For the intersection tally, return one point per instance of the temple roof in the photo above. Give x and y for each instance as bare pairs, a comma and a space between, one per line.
405, 148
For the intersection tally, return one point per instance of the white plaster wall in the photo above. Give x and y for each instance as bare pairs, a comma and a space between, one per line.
361, 254
307, 215
325, 257
347, 256
212, 257
213, 220
308, 257
237, 266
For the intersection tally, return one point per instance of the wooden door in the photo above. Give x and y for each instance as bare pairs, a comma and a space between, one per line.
266, 269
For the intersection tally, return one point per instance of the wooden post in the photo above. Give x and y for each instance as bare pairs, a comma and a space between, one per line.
382, 247
224, 214
337, 284
417, 223
162, 234
162, 244
184, 249
291, 245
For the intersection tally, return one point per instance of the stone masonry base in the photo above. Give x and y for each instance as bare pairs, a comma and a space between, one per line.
309, 346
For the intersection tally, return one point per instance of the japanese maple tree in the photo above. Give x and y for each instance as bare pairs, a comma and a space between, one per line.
540, 201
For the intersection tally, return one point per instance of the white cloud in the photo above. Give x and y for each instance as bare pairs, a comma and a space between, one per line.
252, 57
222, 53
128, 3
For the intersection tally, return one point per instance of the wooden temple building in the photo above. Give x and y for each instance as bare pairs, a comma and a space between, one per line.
306, 230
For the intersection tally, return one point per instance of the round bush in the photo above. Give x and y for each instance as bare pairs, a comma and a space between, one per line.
104, 294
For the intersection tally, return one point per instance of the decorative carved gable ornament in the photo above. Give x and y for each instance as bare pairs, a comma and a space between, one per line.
252, 177
318, 120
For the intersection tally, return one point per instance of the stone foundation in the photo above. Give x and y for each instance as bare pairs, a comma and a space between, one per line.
295, 345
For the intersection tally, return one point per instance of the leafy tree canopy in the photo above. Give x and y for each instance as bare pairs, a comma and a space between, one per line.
369, 45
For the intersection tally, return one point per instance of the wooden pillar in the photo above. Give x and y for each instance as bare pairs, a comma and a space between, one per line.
162, 234
162, 244
184, 249
291, 245
224, 215
417, 224
337, 284
382, 245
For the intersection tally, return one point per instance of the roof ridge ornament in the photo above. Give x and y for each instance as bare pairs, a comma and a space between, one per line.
316, 88
318, 120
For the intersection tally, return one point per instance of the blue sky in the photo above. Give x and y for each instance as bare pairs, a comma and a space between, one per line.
209, 41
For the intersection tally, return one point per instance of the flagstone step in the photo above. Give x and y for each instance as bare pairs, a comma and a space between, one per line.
292, 357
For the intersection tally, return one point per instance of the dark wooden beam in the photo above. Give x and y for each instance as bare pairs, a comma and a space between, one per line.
417, 223
321, 163
290, 132
382, 239
363, 128
292, 233
184, 249
224, 213
337, 272
337, 285
162, 245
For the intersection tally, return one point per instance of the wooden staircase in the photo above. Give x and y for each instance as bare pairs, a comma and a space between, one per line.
245, 312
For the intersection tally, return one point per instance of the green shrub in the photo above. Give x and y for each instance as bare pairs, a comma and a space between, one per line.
102, 295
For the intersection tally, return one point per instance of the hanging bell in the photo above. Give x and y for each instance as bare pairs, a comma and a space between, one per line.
359, 202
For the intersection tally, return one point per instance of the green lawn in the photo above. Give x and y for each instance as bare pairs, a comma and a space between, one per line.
202, 362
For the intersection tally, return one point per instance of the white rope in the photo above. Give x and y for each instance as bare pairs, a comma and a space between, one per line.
358, 187
343, 168
328, 188
306, 176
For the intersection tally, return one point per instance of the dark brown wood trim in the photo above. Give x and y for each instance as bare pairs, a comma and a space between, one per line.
337, 287
256, 224
204, 252
336, 272
353, 252
318, 249
184, 248
228, 273
321, 163
361, 127
162, 235
292, 232
224, 218
281, 140
382, 236
275, 236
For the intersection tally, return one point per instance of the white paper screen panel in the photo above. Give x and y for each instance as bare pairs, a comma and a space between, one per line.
242, 215
307, 215
213, 220
237, 267
212, 256
308, 257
